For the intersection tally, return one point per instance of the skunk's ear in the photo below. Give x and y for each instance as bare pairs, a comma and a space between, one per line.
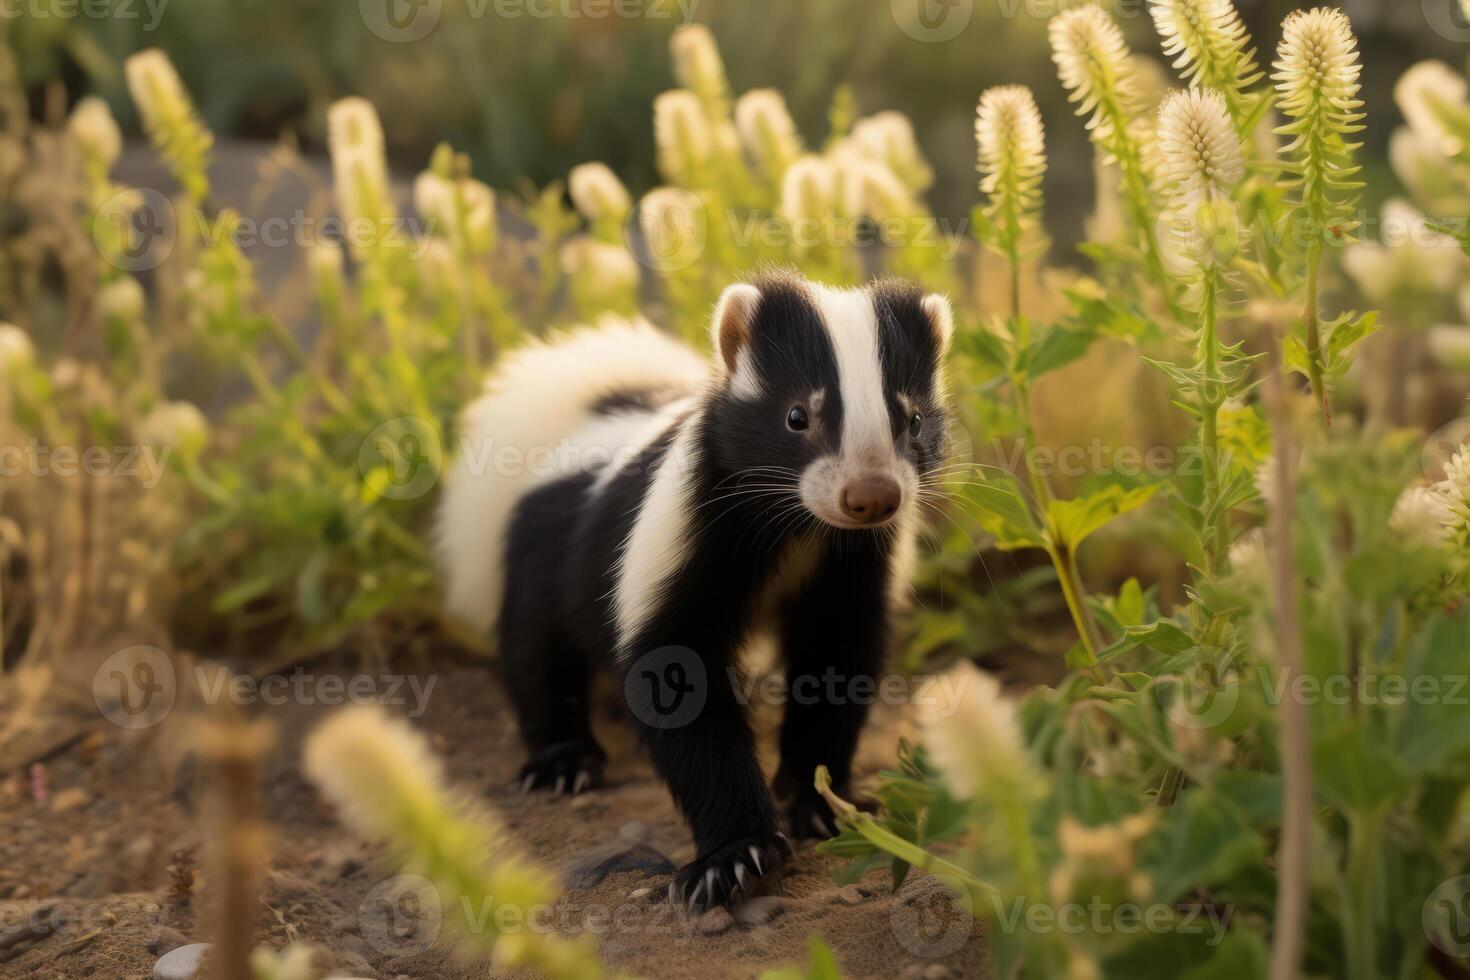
941, 319
734, 320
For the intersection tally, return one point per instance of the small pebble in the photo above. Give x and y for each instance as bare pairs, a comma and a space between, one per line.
640, 893
71, 798
634, 830
181, 964
849, 895
715, 921
166, 940
759, 911
936, 971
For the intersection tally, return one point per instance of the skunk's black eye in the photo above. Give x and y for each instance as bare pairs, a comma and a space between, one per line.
796, 419
916, 425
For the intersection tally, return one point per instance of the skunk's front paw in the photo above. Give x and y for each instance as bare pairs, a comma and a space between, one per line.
735, 870
566, 767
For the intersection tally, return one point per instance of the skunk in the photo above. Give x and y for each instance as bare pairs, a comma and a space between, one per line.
618, 501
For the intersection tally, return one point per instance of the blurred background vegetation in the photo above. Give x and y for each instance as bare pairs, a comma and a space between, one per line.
530, 88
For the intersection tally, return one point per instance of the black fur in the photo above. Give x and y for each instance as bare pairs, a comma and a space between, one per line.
562, 554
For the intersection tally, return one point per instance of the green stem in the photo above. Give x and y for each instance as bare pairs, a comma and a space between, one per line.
1314, 337
1216, 530
1361, 886
1072, 591
887, 841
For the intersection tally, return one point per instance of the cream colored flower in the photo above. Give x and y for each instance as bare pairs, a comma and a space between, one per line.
973, 734
174, 426
1200, 165
1429, 95
156, 88
675, 227
1423, 515
699, 67
1091, 56
92, 128
16, 350
767, 130
1198, 147
603, 267
359, 165
1317, 60
1454, 489
122, 298
1208, 43
462, 210
682, 135
809, 189
888, 138
1010, 141
598, 194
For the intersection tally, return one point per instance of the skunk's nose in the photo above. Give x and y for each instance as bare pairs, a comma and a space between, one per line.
871, 499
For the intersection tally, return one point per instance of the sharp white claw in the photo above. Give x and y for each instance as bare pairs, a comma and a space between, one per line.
583, 780
710, 877
755, 859
527, 783
694, 897
740, 874
561, 784
673, 892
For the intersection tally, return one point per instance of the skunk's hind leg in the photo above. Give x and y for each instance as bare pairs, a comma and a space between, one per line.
547, 675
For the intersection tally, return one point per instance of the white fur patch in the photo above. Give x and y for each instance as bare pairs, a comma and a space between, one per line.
867, 433
535, 423
663, 535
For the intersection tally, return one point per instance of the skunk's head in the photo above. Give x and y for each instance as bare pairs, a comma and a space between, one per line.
836, 396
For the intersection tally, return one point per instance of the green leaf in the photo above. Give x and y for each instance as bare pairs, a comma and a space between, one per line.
1000, 506
1073, 521
1355, 771
1055, 348
1203, 840
1242, 956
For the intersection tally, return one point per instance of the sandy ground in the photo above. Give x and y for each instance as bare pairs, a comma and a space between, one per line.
102, 845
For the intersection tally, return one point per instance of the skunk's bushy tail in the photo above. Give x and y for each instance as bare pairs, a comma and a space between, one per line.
537, 398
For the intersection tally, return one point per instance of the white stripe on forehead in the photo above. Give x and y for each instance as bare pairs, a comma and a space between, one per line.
852, 326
